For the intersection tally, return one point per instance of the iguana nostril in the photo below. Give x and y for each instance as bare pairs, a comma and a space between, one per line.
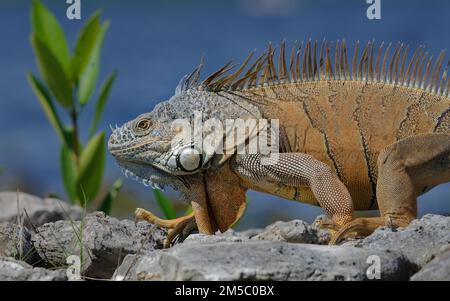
112, 140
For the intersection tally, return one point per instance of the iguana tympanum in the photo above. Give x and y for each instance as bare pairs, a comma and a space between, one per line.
370, 134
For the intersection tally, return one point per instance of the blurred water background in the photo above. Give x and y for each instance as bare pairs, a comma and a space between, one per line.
154, 43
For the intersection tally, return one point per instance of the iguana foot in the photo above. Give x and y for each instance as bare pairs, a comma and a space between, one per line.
362, 226
326, 224
178, 229
180, 232
333, 226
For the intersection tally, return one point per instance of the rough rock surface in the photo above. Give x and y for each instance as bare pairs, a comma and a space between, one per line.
100, 241
295, 231
239, 255
282, 251
260, 260
11, 269
420, 242
228, 236
40, 211
436, 270
15, 241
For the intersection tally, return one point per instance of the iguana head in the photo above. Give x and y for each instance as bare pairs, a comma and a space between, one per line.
153, 147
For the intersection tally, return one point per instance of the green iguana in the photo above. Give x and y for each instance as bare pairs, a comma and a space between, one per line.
373, 137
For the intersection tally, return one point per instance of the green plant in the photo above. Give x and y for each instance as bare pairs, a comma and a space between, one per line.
69, 82
165, 204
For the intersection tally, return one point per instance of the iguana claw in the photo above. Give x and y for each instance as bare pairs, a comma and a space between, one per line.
327, 225
178, 229
358, 227
180, 232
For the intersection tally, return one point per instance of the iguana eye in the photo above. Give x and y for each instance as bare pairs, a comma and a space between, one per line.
144, 124
189, 159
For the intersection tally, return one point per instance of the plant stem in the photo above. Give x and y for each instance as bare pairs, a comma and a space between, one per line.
74, 117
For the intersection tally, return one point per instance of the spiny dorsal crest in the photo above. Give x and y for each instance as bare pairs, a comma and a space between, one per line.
387, 65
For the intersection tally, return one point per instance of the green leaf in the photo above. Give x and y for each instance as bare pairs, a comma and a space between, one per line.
165, 204
68, 171
85, 46
189, 211
49, 31
108, 201
87, 76
91, 167
47, 105
52, 72
101, 102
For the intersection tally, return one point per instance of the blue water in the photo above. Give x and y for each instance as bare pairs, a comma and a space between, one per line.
154, 43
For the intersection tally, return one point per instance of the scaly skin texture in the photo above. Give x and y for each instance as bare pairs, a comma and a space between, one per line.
374, 138
347, 124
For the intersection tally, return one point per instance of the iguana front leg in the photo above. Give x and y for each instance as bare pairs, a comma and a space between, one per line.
406, 169
270, 174
200, 219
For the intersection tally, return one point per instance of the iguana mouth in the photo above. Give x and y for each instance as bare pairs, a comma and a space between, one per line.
149, 175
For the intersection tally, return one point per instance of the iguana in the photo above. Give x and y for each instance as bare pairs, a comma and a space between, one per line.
369, 134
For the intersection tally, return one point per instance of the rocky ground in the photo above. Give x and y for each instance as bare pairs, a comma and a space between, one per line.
48, 238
